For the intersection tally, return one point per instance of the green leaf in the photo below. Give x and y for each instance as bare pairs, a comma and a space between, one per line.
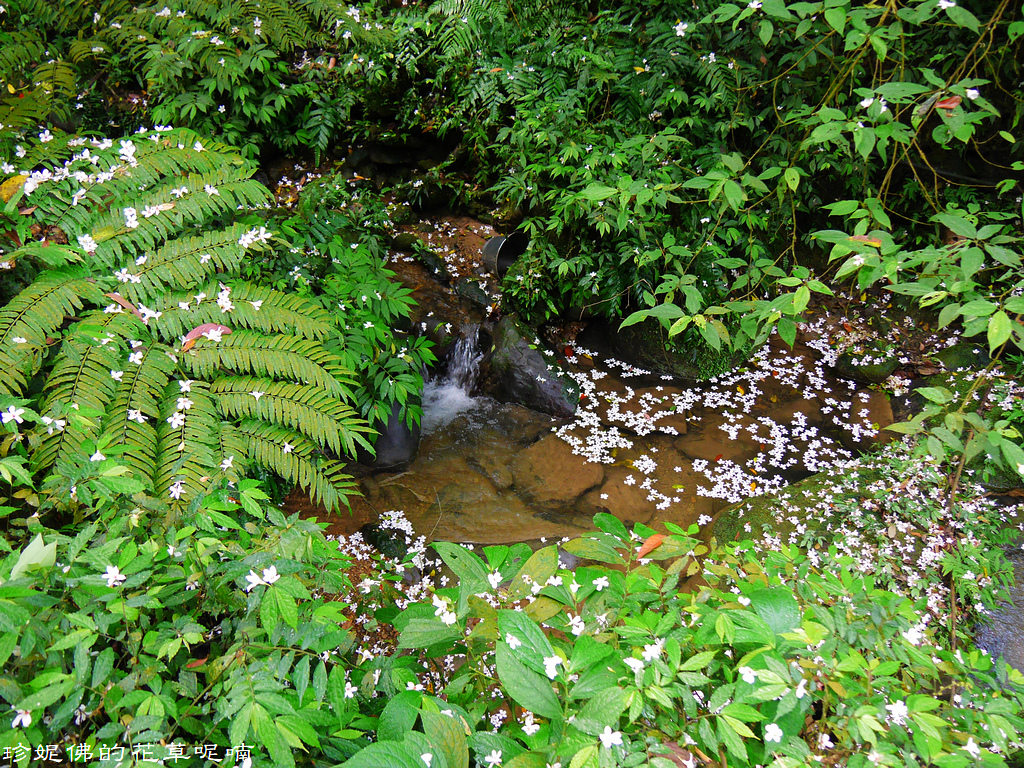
467, 566
697, 661
939, 395
604, 709
529, 689
425, 632
535, 645
836, 18
777, 607
594, 547
392, 754
35, 555
999, 327
542, 565
287, 608
447, 736
792, 177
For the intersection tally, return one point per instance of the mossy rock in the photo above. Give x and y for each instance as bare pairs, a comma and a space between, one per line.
873, 364
434, 264
963, 356
406, 242
472, 292
776, 513
646, 344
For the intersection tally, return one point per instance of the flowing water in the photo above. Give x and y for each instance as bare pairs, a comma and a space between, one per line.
449, 396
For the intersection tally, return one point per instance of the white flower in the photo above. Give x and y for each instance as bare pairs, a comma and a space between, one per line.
172, 551
513, 641
653, 650
610, 737
801, 689
97, 457
176, 489
114, 576
116, 375
972, 748
254, 581
22, 718
681, 28
257, 304
867, 102
214, 334
13, 414
87, 243
494, 758
227, 463
897, 712
270, 575
551, 666
211, 190
494, 579
351, 691
973, 93
825, 741
913, 636
23, 340
635, 664
176, 420
772, 732
136, 415
754, 4
197, 147
600, 583
257, 394
53, 425
748, 675
287, 447
944, 4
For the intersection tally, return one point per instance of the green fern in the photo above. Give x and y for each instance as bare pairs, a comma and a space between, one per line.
182, 411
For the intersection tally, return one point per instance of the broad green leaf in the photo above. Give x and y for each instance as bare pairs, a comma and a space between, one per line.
999, 327
529, 689
447, 736
425, 632
541, 566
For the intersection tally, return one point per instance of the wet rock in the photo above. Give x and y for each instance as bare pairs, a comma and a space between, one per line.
550, 475
627, 502
963, 356
871, 412
472, 292
519, 372
434, 264
396, 442
406, 242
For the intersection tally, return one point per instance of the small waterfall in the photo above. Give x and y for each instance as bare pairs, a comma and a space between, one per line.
446, 397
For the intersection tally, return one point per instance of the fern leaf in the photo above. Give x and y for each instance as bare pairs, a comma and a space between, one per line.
324, 479
252, 307
279, 357
188, 449
322, 418
34, 315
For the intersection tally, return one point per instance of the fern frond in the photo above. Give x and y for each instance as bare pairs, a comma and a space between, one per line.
279, 357
186, 454
183, 263
136, 406
255, 308
81, 379
34, 315
323, 418
324, 479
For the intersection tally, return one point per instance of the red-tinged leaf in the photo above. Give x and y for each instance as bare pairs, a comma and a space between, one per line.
950, 102
124, 303
718, 458
651, 544
872, 241
196, 333
196, 663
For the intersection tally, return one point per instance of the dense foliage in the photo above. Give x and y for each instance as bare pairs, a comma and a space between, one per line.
165, 331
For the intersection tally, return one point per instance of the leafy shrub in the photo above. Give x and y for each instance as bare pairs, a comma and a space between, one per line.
672, 648
129, 636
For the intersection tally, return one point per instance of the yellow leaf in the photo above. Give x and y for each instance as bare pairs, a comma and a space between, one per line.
638, 70
10, 187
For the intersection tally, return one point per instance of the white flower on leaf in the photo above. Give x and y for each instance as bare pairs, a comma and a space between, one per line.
600, 583
513, 641
972, 748
610, 738
114, 576
97, 457
13, 414
494, 758
897, 712
635, 664
748, 675
287, 447
551, 664
494, 579
176, 490
257, 394
270, 575
227, 463
22, 718
772, 732
973, 93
